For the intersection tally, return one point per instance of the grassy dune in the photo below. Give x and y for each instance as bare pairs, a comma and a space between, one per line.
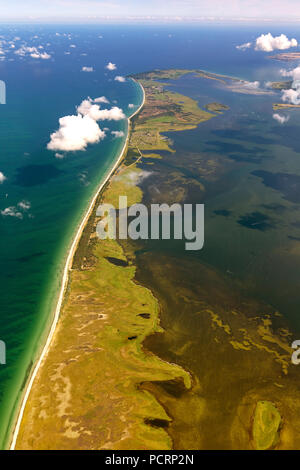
87, 394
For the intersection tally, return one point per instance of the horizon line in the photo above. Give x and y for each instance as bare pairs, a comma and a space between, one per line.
145, 19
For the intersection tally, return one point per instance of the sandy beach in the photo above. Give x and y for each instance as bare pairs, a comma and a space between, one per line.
65, 280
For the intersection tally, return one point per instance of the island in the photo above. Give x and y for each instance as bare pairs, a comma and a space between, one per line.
285, 85
286, 56
216, 107
281, 106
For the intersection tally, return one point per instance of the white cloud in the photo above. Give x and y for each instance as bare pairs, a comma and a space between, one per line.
87, 69
101, 99
16, 211
251, 85
118, 78
75, 133
12, 211
25, 50
295, 73
130, 106
25, 205
33, 52
40, 55
59, 155
134, 177
87, 108
291, 96
118, 134
268, 43
111, 66
113, 114
245, 46
281, 119
2, 177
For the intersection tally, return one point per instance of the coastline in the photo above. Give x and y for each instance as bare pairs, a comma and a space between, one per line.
122, 313
65, 278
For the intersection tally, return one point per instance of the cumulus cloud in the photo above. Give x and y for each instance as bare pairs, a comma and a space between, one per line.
252, 85
17, 211
101, 99
75, 133
131, 106
245, 46
40, 55
113, 114
33, 52
111, 66
12, 211
2, 177
87, 69
295, 73
87, 108
291, 96
25, 205
268, 43
119, 78
281, 119
118, 134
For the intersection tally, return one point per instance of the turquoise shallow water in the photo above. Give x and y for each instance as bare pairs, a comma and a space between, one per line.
33, 249
39, 92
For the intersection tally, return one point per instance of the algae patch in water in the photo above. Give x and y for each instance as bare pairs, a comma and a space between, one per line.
266, 425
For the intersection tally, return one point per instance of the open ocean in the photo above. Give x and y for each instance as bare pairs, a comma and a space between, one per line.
39, 92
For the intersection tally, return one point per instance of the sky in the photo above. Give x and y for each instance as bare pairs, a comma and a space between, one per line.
178, 10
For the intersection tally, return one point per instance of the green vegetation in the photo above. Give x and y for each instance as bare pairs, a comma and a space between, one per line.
87, 394
165, 111
266, 425
216, 107
171, 74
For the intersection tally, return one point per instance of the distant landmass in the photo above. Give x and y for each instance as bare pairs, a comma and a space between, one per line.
287, 56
